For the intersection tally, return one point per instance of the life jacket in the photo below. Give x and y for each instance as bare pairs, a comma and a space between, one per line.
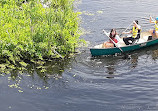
115, 40
135, 32
156, 26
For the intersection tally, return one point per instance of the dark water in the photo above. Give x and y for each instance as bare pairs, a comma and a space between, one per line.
84, 83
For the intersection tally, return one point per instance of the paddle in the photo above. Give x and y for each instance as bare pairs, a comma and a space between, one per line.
125, 29
144, 18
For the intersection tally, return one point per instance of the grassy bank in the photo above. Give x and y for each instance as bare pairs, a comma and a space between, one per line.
30, 31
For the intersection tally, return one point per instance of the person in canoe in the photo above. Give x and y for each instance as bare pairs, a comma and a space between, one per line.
113, 35
155, 31
135, 33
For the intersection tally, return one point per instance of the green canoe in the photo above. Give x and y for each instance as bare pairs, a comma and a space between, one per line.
141, 43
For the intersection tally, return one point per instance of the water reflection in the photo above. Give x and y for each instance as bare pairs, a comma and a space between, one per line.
110, 71
107, 64
155, 54
113, 66
38, 76
46, 73
134, 60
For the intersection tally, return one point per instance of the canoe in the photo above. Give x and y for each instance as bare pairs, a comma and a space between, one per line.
144, 41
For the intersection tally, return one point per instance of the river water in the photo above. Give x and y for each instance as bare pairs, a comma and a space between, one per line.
85, 83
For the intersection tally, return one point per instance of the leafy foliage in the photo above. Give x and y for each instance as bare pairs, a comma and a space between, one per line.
28, 30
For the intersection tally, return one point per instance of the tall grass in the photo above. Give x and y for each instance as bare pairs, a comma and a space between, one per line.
30, 31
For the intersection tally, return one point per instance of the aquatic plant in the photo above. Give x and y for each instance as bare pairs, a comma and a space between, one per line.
31, 31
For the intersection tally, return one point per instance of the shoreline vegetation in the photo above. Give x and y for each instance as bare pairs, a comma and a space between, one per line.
34, 30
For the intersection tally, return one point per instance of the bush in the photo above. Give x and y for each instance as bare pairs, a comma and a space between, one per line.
31, 31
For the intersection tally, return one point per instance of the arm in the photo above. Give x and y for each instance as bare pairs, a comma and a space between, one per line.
127, 32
